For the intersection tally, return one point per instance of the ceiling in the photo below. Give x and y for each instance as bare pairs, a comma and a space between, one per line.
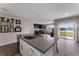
40, 11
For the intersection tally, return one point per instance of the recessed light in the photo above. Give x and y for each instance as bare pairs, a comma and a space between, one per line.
66, 14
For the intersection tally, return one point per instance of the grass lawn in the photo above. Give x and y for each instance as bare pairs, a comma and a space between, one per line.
69, 34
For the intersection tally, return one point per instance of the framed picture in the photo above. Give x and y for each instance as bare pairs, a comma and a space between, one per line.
2, 19
12, 20
12, 27
3, 30
17, 29
18, 21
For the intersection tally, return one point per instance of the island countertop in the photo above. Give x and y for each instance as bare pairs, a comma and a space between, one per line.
41, 43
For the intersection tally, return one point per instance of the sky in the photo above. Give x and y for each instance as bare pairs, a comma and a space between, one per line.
66, 25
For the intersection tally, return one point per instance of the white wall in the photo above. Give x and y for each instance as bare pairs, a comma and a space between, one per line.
27, 26
7, 38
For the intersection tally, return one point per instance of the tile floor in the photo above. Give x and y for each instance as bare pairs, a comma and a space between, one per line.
68, 47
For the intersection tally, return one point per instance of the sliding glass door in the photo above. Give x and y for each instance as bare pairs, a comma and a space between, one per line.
67, 30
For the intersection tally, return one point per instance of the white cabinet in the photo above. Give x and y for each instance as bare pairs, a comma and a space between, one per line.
28, 50
32, 51
23, 48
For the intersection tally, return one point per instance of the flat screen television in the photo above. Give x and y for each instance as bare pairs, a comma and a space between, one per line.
38, 26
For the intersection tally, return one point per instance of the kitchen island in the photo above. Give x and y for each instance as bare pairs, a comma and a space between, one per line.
37, 45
